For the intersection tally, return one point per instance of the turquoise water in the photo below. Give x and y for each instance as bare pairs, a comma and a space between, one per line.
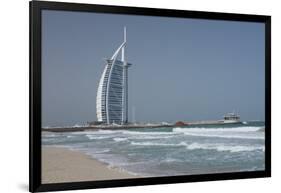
172, 151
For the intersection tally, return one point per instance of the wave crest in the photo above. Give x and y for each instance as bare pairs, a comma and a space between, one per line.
239, 132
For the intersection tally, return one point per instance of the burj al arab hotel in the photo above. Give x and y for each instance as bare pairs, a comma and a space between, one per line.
112, 93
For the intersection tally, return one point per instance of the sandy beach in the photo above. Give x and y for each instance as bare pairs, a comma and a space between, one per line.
63, 165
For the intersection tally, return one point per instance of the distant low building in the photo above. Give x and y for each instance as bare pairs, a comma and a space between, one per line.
180, 123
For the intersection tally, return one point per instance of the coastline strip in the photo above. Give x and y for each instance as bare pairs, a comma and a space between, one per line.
64, 165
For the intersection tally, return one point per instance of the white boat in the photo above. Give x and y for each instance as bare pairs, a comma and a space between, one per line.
231, 118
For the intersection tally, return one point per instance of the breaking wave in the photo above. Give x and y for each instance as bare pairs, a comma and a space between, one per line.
117, 139
239, 132
196, 146
170, 151
223, 147
147, 143
97, 137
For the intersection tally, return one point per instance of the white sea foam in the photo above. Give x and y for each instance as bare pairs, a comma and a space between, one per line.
101, 131
223, 147
224, 129
147, 143
118, 139
231, 136
101, 151
97, 137
131, 134
49, 135
169, 160
48, 139
206, 146
70, 136
95, 132
239, 132
145, 133
151, 136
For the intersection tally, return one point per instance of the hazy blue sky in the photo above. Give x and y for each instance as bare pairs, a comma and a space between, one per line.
183, 69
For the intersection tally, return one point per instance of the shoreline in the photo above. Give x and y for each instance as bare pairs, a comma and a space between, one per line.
110, 127
60, 164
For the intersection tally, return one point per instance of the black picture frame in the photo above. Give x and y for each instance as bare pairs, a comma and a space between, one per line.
36, 8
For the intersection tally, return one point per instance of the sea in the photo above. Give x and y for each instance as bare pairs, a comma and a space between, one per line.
152, 152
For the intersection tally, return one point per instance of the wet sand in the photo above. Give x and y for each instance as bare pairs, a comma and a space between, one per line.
64, 165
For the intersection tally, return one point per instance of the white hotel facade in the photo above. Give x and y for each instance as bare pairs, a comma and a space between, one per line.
112, 93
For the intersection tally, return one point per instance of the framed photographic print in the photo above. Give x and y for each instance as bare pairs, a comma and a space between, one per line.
125, 96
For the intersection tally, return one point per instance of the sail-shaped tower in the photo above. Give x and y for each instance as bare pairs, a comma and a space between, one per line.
112, 93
